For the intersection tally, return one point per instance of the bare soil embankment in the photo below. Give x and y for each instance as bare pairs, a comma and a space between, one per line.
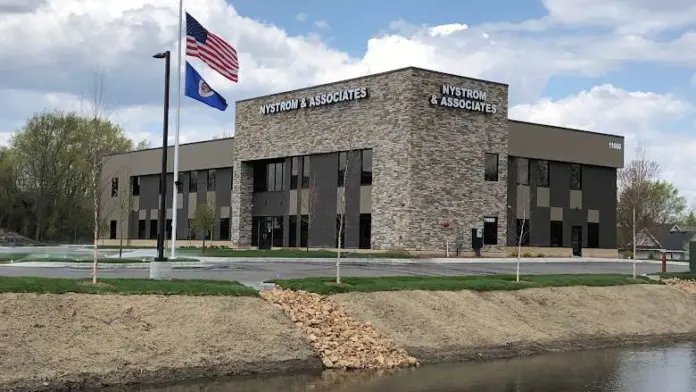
83, 340
438, 326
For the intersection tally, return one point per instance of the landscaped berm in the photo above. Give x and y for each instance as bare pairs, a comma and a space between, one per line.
68, 333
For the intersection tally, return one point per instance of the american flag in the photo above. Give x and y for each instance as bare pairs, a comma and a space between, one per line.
211, 49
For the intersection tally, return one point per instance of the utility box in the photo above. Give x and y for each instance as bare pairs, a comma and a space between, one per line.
692, 256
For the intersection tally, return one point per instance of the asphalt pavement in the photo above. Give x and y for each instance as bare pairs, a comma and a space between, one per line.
258, 271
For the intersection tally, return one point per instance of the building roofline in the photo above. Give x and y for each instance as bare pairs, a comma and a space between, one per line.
365, 77
180, 145
565, 128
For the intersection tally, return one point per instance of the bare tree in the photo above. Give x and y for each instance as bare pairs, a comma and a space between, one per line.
520, 234
346, 167
309, 204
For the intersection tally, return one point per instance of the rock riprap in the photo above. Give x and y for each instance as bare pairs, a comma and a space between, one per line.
688, 285
340, 340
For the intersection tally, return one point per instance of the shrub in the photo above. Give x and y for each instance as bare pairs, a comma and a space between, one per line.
627, 254
527, 254
540, 254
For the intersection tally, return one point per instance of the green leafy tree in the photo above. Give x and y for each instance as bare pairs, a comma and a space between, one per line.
645, 201
203, 220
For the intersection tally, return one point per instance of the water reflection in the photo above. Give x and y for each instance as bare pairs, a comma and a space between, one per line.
670, 369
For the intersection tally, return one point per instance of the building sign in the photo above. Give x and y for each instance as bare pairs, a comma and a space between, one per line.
352, 94
615, 145
463, 98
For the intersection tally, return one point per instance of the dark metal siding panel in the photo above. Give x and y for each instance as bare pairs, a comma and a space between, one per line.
149, 193
223, 193
559, 181
133, 226
182, 214
540, 227
511, 200
169, 189
599, 193
352, 211
202, 190
269, 204
324, 168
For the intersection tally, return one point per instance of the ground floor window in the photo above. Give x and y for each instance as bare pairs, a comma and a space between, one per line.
190, 230
365, 231
556, 233
168, 229
112, 230
224, 229
490, 230
593, 235
142, 225
304, 230
153, 229
522, 232
292, 231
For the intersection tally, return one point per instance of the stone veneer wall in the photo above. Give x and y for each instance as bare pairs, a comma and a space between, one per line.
447, 148
381, 122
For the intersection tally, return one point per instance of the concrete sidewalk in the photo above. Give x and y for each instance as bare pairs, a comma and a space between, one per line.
216, 262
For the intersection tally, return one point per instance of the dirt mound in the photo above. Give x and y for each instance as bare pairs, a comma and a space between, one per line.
450, 325
341, 341
70, 339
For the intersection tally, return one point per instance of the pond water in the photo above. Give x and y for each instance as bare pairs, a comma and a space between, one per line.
646, 369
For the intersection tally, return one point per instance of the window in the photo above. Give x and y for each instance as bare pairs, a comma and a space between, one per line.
168, 228
112, 230
277, 234
292, 231
142, 225
304, 230
191, 232
491, 167
556, 233
193, 182
342, 163
343, 231
365, 231
294, 171
366, 167
135, 185
593, 235
153, 229
211, 180
490, 230
543, 174
522, 171
224, 229
179, 183
268, 177
305, 172
114, 187
522, 232
575, 177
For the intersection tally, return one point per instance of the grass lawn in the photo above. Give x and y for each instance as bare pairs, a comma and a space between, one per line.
326, 285
7, 257
293, 253
123, 286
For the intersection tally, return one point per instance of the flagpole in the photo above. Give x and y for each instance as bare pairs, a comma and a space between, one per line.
175, 193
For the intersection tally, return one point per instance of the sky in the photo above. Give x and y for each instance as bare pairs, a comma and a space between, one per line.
624, 67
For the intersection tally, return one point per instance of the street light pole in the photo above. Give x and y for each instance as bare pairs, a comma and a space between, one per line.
163, 176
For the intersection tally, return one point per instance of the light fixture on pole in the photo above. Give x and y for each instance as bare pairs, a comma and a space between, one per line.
163, 175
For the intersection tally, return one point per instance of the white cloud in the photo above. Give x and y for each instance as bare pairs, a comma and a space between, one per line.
641, 117
48, 66
322, 24
302, 17
693, 80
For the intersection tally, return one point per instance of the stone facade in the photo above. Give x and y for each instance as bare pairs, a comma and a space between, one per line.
427, 161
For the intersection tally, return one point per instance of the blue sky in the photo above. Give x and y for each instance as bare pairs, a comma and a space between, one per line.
617, 66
